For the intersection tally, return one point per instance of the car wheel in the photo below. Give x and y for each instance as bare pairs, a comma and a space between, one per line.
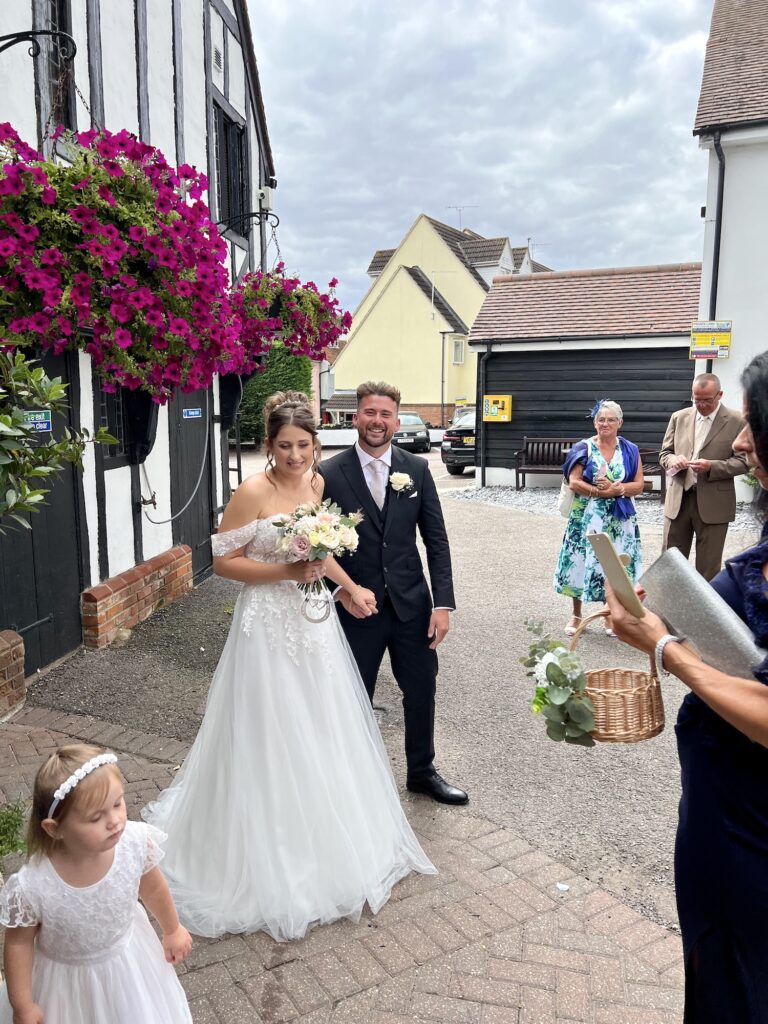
455, 470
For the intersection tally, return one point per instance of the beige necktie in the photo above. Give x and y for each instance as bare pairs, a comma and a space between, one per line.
699, 432
378, 484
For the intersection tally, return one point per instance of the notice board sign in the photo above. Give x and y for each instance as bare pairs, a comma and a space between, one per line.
38, 419
711, 339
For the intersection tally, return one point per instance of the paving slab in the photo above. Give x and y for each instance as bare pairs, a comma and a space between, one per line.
489, 949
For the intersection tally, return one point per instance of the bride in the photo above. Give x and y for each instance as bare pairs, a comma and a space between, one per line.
285, 813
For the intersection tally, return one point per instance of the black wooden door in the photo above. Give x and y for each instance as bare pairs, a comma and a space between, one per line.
42, 570
553, 392
191, 418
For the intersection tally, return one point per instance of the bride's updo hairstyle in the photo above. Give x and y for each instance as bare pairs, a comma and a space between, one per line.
289, 409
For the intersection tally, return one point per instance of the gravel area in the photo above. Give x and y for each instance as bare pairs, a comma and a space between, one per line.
543, 501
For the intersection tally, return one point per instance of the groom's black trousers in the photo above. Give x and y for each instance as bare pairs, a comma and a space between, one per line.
414, 667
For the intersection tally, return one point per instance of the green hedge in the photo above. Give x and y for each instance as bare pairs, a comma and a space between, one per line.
284, 372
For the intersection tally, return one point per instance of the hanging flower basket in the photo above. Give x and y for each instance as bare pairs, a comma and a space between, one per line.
119, 244
306, 320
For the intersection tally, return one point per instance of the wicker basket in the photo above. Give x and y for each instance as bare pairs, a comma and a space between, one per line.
627, 702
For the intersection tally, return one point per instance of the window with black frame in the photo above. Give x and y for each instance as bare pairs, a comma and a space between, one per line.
114, 419
231, 171
60, 84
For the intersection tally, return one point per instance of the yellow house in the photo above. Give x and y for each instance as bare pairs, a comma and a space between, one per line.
411, 327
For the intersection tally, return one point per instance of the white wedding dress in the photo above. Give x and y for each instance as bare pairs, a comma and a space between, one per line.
285, 813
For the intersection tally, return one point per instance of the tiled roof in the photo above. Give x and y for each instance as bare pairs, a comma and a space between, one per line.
454, 238
380, 259
539, 268
518, 255
344, 401
616, 302
453, 318
483, 251
734, 86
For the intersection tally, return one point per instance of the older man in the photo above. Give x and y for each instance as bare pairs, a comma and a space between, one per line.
698, 455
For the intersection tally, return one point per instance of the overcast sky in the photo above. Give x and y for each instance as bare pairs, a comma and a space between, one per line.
568, 121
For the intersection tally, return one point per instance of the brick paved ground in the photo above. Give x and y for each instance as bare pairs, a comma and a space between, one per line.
490, 940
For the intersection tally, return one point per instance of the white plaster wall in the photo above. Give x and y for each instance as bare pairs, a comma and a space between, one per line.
118, 54
17, 73
80, 35
157, 470
160, 78
217, 43
236, 74
89, 467
195, 128
742, 295
117, 486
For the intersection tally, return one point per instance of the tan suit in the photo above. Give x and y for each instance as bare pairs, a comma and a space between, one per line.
705, 510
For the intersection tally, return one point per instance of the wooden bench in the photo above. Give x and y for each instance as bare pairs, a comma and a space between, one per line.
547, 454
541, 455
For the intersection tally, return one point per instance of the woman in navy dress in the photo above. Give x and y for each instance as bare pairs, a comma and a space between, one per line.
721, 852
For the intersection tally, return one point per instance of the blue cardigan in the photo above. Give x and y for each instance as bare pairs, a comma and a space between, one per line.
623, 508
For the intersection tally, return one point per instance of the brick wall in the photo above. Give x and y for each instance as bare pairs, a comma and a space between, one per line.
12, 688
430, 413
125, 600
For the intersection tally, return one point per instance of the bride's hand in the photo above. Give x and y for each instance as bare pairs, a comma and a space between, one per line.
305, 572
364, 600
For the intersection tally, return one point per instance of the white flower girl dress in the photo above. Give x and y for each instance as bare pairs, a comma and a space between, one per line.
97, 958
285, 813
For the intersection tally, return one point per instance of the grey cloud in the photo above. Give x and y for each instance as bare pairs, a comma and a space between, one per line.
568, 122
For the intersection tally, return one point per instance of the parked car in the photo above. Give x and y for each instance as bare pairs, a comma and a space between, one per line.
413, 433
458, 447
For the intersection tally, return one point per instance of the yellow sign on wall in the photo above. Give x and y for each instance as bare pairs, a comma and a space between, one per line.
711, 339
497, 408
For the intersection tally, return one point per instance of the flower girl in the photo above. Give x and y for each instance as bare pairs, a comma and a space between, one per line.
79, 948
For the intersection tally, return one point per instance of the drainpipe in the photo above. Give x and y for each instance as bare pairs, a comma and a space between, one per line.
718, 231
479, 410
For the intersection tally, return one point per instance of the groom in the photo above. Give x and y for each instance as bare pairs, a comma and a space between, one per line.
398, 496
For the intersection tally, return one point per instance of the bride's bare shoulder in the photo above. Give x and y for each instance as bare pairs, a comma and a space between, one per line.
246, 504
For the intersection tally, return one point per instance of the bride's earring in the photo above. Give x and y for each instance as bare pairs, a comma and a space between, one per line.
270, 461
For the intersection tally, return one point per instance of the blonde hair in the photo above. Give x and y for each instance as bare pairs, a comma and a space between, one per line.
380, 388
610, 406
90, 792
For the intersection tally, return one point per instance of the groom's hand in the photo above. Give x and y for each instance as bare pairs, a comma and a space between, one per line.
362, 609
439, 624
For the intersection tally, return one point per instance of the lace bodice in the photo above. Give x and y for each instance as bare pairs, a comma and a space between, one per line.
82, 925
273, 609
261, 536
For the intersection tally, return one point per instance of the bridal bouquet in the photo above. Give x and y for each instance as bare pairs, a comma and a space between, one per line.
310, 533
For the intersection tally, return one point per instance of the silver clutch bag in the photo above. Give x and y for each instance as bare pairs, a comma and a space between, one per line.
692, 608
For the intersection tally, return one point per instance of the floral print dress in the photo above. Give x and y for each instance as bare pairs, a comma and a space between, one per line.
578, 572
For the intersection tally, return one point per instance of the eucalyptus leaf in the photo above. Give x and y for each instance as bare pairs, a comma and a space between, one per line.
554, 713
556, 675
581, 714
556, 732
559, 694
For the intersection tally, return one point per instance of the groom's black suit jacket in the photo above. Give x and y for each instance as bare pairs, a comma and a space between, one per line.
387, 560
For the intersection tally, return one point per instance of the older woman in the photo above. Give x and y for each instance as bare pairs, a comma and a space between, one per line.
605, 473
721, 853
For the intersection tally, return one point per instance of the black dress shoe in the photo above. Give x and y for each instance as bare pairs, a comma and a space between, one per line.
436, 787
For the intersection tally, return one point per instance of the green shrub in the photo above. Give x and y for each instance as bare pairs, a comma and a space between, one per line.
284, 372
12, 820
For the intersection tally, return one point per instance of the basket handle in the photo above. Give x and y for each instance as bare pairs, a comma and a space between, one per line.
601, 614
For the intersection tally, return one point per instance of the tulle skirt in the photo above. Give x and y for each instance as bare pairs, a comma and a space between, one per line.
127, 984
285, 813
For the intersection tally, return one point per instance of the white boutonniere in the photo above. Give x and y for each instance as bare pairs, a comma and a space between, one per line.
400, 482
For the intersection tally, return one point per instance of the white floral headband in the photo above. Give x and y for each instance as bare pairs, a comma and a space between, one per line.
77, 776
